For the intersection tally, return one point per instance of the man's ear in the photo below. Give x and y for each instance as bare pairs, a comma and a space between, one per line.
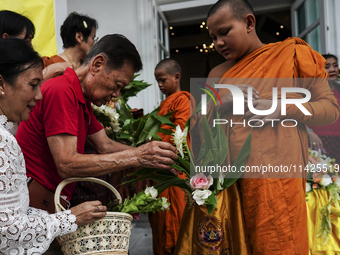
250, 22
177, 77
97, 63
79, 37
5, 35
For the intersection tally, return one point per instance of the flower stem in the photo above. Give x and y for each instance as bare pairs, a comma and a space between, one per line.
189, 153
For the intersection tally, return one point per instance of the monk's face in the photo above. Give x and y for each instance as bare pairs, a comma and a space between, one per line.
332, 68
167, 83
230, 36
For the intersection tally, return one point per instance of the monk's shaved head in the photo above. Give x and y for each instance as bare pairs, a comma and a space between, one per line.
170, 65
239, 8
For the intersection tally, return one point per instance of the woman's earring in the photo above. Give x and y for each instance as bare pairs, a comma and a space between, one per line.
2, 93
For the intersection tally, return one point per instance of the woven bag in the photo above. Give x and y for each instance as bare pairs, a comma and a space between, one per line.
110, 235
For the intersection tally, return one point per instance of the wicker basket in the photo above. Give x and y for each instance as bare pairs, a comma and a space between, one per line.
110, 235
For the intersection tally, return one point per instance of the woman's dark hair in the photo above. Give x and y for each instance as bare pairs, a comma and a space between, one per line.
117, 49
73, 24
16, 56
14, 24
330, 56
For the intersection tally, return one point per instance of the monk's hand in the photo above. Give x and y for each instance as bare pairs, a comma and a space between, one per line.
314, 141
157, 154
263, 104
227, 99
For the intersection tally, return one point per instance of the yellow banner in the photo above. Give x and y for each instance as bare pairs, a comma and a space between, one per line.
41, 13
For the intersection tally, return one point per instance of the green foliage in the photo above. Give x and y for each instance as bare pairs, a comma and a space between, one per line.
134, 87
136, 132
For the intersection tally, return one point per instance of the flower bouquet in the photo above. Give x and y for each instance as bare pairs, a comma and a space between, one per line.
143, 202
200, 188
322, 188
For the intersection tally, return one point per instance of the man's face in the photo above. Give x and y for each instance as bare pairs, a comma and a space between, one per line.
230, 36
108, 85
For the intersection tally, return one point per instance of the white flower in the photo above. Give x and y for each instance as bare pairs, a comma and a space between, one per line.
337, 182
111, 113
220, 181
201, 195
165, 204
326, 180
151, 191
179, 138
308, 187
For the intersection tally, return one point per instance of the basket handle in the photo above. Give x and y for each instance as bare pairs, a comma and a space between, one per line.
59, 207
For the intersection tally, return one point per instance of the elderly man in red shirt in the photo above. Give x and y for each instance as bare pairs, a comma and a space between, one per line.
53, 139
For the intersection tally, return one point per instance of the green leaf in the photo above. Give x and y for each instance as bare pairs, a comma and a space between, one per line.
155, 111
164, 120
166, 131
208, 135
156, 137
222, 144
185, 164
178, 182
211, 203
133, 88
241, 160
177, 167
124, 112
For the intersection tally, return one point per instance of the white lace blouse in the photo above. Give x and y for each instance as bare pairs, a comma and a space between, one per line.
23, 229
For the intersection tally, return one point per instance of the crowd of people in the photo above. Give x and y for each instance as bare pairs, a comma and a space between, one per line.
46, 117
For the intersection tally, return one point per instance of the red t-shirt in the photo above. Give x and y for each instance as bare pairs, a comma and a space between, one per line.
62, 110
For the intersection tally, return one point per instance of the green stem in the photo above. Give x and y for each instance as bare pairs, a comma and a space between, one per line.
190, 157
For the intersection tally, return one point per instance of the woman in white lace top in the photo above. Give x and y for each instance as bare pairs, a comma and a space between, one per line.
26, 230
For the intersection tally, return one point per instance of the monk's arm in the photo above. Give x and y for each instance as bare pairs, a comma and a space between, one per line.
323, 105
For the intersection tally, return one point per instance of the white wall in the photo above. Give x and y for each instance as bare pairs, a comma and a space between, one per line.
333, 24
132, 18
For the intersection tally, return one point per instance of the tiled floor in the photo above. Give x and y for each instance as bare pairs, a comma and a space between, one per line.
141, 237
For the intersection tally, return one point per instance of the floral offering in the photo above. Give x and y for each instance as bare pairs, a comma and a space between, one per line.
321, 171
200, 189
323, 174
143, 202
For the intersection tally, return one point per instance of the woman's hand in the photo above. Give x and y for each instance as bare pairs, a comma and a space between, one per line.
88, 212
314, 141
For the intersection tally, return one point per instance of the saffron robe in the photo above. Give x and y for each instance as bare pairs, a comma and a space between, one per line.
268, 216
165, 225
52, 60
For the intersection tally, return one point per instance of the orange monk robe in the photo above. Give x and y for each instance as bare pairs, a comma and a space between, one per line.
274, 210
165, 225
51, 60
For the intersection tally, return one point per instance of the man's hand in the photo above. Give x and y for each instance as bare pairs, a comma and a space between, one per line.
263, 104
227, 99
156, 154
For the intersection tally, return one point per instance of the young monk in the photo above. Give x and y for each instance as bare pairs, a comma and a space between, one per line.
258, 215
165, 225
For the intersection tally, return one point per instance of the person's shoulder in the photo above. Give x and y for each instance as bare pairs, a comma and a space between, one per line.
60, 83
180, 96
218, 71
